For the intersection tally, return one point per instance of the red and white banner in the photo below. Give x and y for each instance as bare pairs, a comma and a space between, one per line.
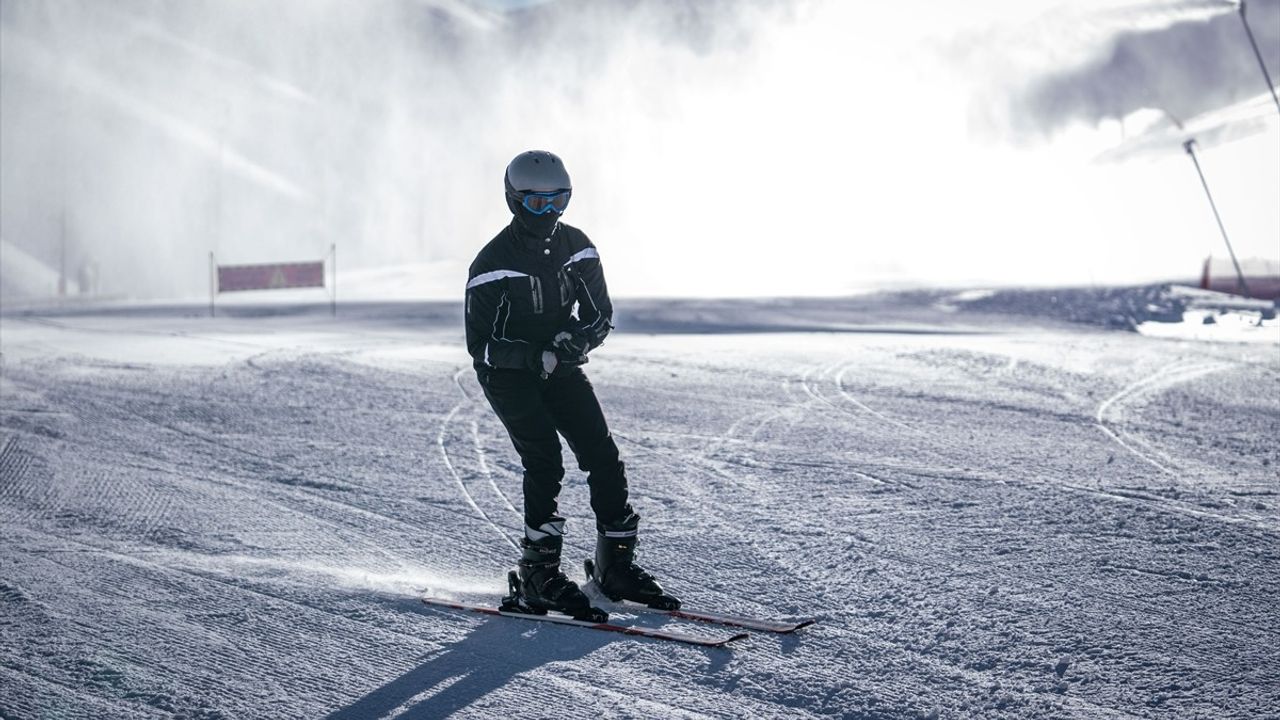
232, 278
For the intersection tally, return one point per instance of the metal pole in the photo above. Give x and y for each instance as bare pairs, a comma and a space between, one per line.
1258, 53
213, 275
1189, 146
333, 301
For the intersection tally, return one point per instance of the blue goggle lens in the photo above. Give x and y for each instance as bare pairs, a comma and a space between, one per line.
541, 203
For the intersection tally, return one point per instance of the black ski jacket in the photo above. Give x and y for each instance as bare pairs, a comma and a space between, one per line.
523, 290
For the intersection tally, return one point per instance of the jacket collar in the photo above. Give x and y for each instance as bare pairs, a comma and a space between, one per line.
525, 239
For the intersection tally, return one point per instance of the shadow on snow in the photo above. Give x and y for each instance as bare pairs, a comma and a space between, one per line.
488, 658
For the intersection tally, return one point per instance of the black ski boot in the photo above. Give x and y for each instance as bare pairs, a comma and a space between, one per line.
615, 570
539, 585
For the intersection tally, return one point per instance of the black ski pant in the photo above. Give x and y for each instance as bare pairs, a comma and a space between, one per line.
533, 410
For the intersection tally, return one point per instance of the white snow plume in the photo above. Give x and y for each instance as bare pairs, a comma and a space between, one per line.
88, 82
25, 276
755, 148
1159, 135
266, 132
151, 29
406, 579
1097, 61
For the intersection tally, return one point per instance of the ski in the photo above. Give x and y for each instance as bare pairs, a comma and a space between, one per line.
773, 626
653, 633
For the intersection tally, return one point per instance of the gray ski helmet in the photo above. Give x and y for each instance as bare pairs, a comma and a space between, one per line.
537, 171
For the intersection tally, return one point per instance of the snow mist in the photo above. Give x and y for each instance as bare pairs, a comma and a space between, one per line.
717, 148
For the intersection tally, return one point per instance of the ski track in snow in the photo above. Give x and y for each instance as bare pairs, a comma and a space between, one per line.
466, 494
1039, 523
1176, 372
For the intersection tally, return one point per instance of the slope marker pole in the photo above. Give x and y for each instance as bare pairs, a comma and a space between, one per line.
1189, 146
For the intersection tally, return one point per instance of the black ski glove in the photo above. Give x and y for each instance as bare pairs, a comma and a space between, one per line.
571, 348
572, 343
569, 357
551, 360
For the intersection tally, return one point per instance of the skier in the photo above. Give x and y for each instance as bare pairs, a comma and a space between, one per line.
536, 305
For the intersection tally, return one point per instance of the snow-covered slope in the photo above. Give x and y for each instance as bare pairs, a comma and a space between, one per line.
990, 515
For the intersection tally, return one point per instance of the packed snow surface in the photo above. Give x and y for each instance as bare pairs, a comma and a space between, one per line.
991, 515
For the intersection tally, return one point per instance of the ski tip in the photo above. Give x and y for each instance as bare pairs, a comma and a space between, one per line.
735, 637
804, 623
718, 642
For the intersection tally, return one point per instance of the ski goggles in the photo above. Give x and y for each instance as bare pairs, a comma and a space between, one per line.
540, 203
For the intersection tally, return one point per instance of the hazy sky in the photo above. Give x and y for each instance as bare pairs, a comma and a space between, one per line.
759, 147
